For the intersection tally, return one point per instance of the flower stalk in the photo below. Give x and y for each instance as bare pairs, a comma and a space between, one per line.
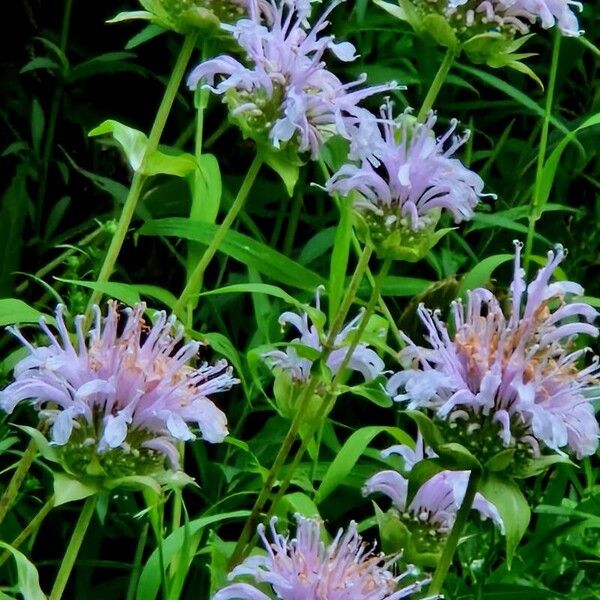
68, 561
537, 201
462, 517
139, 176
14, 485
324, 406
304, 401
194, 284
436, 84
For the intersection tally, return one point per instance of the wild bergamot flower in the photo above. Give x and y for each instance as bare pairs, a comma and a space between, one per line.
119, 401
508, 379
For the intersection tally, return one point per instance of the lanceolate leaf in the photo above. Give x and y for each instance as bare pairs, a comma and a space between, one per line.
507, 497
243, 249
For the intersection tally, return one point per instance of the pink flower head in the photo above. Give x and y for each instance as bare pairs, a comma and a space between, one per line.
129, 386
364, 360
286, 93
512, 376
437, 500
406, 175
304, 568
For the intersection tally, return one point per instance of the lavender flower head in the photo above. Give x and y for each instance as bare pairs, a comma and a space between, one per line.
497, 18
433, 510
305, 568
187, 16
405, 178
514, 16
508, 380
285, 95
364, 360
120, 401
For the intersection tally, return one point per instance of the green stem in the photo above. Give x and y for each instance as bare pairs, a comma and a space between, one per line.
139, 177
436, 85
437, 582
194, 284
31, 528
303, 404
536, 201
324, 406
68, 561
136, 568
17, 479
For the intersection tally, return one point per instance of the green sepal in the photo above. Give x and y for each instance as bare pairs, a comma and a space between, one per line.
536, 466
397, 538
501, 461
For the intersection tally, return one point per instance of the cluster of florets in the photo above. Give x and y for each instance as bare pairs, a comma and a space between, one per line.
304, 567
430, 515
508, 381
472, 17
285, 94
404, 178
118, 402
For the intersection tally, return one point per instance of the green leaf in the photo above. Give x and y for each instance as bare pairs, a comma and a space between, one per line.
298, 502
242, 248
393, 9
134, 144
372, 391
481, 273
551, 164
43, 445
438, 27
13, 311
40, 62
124, 292
132, 141
456, 457
522, 98
512, 506
535, 466
428, 429
285, 163
150, 578
351, 451
28, 582
67, 489
38, 123
500, 461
